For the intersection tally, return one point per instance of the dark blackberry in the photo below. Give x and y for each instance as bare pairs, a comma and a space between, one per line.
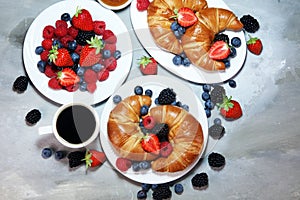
217, 94
84, 36
162, 131
200, 181
162, 192
216, 131
221, 37
166, 96
33, 116
20, 84
216, 161
251, 25
76, 158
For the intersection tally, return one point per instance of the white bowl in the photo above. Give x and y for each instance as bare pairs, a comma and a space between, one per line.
111, 7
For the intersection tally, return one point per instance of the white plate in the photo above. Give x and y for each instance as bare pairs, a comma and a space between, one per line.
156, 84
49, 16
115, 7
191, 73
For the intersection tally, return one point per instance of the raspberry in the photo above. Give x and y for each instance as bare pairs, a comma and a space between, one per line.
72, 31
110, 64
20, 84
50, 71
76, 158
103, 75
109, 37
166, 96
91, 87
61, 31
54, 84
33, 116
216, 131
216, 161
200, 181
61, 23
111, 47
47, 44
65, 40
44, 55
165, 149
72, 88
123, 164
48, 32
90, 76
99, 27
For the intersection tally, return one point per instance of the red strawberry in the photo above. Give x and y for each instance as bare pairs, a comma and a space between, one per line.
149, 122
165, 149
50, 71
230, 109
72, 31
254, 45
48, 32
142, 5
60, 57
94, 158
90, 53
186, 17
90, 76
151, 144
123, 164
103, 75
148, 65
54, 84
47, 44
110, 63
219, 50
72, 88
82, 20
109, 37
99, 27
67, 77
91, 87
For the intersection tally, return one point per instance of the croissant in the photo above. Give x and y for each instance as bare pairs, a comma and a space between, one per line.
185, 136
198, 38
159, 18
123, 128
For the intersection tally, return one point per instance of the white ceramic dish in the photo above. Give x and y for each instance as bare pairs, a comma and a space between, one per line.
156, 84
115, 7
49, 16
191, 73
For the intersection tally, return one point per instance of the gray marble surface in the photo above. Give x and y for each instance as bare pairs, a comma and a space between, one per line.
261, 149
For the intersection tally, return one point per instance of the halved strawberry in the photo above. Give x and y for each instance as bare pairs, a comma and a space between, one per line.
219, 50
67, 77
151, 144
186, 17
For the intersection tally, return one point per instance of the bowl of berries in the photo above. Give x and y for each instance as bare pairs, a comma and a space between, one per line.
77, 52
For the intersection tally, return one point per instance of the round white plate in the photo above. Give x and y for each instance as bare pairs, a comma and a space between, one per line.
191, 73
115, 7
48, 17
156, 84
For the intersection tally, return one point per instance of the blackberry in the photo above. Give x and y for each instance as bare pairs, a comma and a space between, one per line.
162, 192
20, 84
166, 96
251, 25
216, 131
162, 131
84, 36
217, 94
33, 116
76, 158
216, 161
221, 37
200, 181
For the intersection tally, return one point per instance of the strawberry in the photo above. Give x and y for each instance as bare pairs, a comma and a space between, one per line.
90, 54
123, 164
185, 17
230, 109
142, 5
165, 149
148, 66
99, 27
82, 20
150, 143
219, 50
103, 75
60, 57
94, 158
149, 122
109, 36
254, 45
54, 84
67, 77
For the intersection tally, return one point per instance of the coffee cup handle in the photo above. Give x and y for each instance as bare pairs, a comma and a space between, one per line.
45, 130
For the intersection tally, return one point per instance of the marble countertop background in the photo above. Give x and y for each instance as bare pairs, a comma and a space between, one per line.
262, 148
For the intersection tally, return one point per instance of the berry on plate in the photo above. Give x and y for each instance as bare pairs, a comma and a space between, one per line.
90, 53
149, 122
60, 57
67, 77
219, 50
123, 164
185, 17
165, 149
142, 5
82, 20
254, 45
151, 144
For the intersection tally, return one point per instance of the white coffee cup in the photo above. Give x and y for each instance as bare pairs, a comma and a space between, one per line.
74, 125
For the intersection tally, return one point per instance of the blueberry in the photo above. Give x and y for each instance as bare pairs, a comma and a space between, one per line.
232, 83
182, 55
83, 86
185, 107
207, 112
46, 153
236, 42
144, 110
206, 88
177, 34
75, 57
80, 71
66, 17
232, 52
141, 194
156, 101
178, 188
148, 92
144, 165
186, 62
178, 103
205, 96
106, 53
181, 30
117, 98
227, 63
138, 90
97, 67
136, 166
177, 60
39, 50
57, 43
72, 45
41, 66
117, 54
146, 187
217, 121
209, 104
60, 155
174, 26
154, 186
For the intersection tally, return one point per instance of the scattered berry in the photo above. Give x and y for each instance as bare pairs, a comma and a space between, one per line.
232, 83
200, 181
146, 187
20, 84
117, 99
148, 92
138, 90
60, 155
216, 161
205, 96
76, 158
251, 24
217, 121
142, 194
216, 131
46, 153
33, 116
162, 192
178, 188
217, 94
206, 88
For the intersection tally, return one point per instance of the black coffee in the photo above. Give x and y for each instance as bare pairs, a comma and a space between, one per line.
76, 124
